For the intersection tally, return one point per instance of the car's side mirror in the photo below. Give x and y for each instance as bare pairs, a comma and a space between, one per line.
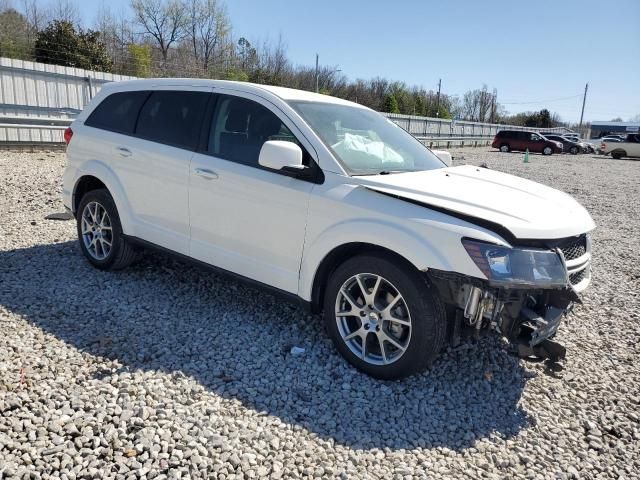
281, 155
444, 156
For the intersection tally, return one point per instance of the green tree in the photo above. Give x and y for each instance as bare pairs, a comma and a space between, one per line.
15, 38
390, 104
140, 60
61, 44
234, 74
419, 105
544, 119
442, 112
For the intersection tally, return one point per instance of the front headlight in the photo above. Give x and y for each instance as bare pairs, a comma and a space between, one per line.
531, 267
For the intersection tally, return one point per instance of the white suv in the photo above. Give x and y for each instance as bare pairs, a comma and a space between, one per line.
331, 204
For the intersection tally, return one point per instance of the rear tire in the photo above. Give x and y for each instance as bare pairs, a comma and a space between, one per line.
394, 329
618, 154
100, 232
547, 151
505, 148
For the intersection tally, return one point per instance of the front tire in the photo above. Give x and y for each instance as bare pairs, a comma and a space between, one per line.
100, 232
547, 151
505, 148
573, 150
383, 316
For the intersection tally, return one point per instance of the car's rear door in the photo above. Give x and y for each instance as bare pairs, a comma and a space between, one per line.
245, 218
515, 140
153, 164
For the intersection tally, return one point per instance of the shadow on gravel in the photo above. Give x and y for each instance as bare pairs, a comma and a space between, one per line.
235, 341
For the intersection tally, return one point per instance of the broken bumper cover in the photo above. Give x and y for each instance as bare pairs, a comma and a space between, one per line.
526, 317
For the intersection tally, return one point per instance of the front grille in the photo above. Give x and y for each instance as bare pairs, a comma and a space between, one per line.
577, 277
574, 248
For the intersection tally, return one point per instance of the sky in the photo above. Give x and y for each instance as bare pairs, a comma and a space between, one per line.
536, 54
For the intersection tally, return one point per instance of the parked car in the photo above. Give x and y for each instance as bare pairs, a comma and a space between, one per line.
571, 136
327, 203
603, 140
568, 144
630, 147
507, 140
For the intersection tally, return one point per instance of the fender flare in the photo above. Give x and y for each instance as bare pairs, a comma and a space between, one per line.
100, 170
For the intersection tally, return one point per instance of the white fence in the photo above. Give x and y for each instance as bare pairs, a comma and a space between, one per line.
38, 101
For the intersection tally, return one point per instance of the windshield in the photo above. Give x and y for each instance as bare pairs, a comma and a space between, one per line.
365, 142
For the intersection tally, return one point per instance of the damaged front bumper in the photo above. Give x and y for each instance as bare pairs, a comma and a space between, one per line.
527, 317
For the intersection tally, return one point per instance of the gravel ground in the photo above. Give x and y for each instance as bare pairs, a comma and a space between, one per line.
167, 371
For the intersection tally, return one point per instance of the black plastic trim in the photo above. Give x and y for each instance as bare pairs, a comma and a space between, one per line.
282, 294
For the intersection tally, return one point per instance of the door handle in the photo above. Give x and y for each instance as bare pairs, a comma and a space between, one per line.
206, 173
124, 152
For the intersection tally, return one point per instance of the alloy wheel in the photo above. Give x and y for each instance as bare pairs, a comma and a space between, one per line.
373, 319
97, 232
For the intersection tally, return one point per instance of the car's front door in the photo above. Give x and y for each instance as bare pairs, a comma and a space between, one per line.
245, 218
535, 143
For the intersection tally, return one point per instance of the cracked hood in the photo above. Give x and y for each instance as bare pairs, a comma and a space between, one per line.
527, 209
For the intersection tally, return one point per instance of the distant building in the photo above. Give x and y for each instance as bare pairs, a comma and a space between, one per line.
601, 129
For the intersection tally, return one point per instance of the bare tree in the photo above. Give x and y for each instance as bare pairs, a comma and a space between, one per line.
208, 26
67, 11
36, 15
116, 34
477, 105
164, 20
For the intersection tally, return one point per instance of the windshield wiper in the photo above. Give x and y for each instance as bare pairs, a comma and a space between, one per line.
381, 172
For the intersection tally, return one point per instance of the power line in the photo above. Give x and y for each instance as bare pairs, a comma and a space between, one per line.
542, 101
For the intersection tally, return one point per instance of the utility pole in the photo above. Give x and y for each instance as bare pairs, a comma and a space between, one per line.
438, 98
317, 74
493, 106
584, 100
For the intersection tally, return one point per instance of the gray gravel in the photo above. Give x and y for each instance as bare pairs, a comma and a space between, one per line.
167, 371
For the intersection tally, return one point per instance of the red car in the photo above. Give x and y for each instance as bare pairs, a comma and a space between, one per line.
507, 140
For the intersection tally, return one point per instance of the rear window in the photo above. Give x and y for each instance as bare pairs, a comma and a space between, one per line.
118, 112
172, 117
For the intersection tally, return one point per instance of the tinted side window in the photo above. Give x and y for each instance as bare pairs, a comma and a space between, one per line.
240, 127
172, 117
118, 112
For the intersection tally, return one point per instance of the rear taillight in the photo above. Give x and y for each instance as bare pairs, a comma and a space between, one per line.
68, 133
602, 146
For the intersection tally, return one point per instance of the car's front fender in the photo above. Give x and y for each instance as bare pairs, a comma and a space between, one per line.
424, 237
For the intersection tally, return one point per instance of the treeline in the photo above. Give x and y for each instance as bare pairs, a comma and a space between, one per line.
195, 38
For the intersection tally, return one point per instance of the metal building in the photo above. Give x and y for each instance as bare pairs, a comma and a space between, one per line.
600, 129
